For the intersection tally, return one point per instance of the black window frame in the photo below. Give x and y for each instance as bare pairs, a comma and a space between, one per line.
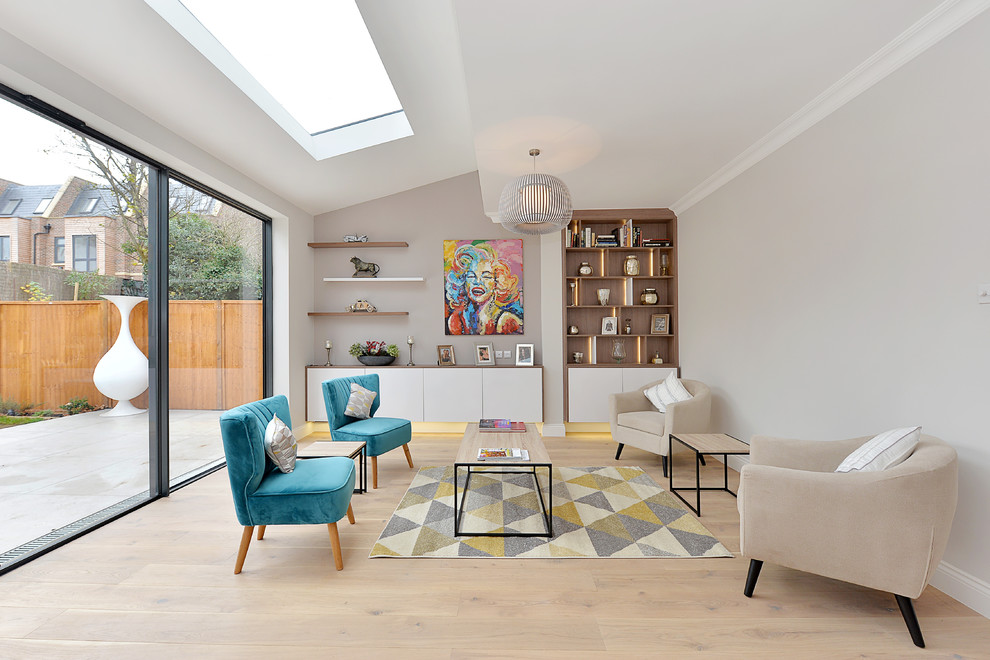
158, 176
55, 249
4, 241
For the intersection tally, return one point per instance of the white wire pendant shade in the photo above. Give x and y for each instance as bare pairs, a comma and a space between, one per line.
535, 203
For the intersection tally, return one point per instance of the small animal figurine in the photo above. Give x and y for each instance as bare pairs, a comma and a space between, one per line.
354, 238
364, 268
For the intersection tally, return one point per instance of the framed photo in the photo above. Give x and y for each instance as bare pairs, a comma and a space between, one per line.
610, 325
660, 324
524, 355
445, 355
483, 354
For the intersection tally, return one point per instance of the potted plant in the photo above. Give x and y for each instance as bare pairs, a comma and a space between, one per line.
374, 353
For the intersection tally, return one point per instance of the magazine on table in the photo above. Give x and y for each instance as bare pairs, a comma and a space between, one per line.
500, 426
502, 454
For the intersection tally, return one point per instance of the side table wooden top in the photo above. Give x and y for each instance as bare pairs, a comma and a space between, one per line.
713, 443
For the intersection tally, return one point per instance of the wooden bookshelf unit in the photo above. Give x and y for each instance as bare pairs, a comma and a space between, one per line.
581, 304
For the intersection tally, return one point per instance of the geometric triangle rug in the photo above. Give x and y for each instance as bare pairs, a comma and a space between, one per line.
617, 512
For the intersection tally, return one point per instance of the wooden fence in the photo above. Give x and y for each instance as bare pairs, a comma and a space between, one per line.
48, 351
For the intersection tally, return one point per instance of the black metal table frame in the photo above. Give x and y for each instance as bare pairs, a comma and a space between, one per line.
361, 453
529, 468
697, 470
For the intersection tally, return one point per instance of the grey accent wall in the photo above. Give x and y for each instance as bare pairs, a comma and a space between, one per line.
831, 291
423, 217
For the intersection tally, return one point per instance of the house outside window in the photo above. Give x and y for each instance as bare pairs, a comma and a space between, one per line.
4, 248
84, 253
59, 250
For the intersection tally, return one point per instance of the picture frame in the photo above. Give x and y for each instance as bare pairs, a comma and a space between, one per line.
660, 324
524, 355
610, 325
484, 354
445, 355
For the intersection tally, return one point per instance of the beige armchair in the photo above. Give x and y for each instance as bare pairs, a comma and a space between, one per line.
884, 530
634, 421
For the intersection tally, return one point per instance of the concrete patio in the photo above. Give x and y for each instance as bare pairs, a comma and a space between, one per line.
55, 472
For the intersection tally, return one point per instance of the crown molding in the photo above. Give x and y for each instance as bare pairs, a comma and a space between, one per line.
928, 31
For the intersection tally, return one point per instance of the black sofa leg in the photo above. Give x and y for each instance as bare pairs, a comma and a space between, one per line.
663, 460
618, 451
755, 565
911, 619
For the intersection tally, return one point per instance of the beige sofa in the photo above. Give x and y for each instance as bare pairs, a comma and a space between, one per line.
634, 421
884, 530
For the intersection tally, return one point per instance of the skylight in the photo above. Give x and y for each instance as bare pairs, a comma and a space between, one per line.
310, 64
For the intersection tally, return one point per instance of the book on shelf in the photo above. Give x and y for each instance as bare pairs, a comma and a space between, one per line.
501, 426
502, 454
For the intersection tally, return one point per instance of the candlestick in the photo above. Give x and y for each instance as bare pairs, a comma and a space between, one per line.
409, 340
329, 347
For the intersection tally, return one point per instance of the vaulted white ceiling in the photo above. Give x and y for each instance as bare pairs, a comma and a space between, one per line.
634, 103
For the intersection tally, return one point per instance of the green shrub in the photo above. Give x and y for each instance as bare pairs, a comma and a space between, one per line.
35, 292
76, 406
13, 408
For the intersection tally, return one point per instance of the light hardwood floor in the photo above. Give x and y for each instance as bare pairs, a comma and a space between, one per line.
160, 584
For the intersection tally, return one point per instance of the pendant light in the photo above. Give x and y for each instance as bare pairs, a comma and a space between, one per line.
535, 203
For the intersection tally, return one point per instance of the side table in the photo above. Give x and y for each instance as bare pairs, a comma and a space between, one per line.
715, 444
343, 448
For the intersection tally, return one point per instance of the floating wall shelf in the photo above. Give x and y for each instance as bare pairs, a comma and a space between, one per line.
363, 315
373, 279
356, 244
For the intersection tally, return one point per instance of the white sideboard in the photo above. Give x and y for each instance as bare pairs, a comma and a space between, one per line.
441, 394
588, 389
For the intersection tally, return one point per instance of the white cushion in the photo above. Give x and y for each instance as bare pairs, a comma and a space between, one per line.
280, 445
882, 451
359, 403
669, 391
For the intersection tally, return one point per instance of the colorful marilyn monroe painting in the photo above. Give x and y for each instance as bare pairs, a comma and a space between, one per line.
483, 287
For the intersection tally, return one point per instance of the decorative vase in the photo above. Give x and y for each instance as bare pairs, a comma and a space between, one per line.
628, 327
603, 296
657, 359
664, 264
375, 360
648, 297
585, 268
631, 266
572, 330
578, 357
122, 373
618, 350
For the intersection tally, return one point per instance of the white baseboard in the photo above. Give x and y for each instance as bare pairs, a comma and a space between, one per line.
967, 589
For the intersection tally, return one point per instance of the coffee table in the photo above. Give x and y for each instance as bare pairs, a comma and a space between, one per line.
716, 444
467, 459
344, 448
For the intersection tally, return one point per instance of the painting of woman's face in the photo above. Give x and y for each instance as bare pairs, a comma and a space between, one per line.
480, 281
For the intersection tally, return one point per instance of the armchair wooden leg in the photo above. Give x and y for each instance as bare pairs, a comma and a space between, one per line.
242, 551
911, 619
663, 461
374, 472
350, 514
754, 574
619, 451
261, 531
405, 448
335, 545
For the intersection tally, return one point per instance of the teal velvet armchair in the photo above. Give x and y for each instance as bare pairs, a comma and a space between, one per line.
382, 434
317, 491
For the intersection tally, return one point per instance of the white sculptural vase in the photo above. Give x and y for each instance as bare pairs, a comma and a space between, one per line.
122, 373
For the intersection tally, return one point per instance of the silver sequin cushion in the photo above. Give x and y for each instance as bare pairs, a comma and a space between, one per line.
280, 445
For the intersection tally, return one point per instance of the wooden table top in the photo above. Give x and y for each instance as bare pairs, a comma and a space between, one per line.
712, 443
529, 440
329, 448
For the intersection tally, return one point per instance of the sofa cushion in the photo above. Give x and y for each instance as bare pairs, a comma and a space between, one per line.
381, 434
359, 403
647, 421
882, 451
280, 445
667, 392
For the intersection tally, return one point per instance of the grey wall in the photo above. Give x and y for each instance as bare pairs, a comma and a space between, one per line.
831, 290
423, 217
